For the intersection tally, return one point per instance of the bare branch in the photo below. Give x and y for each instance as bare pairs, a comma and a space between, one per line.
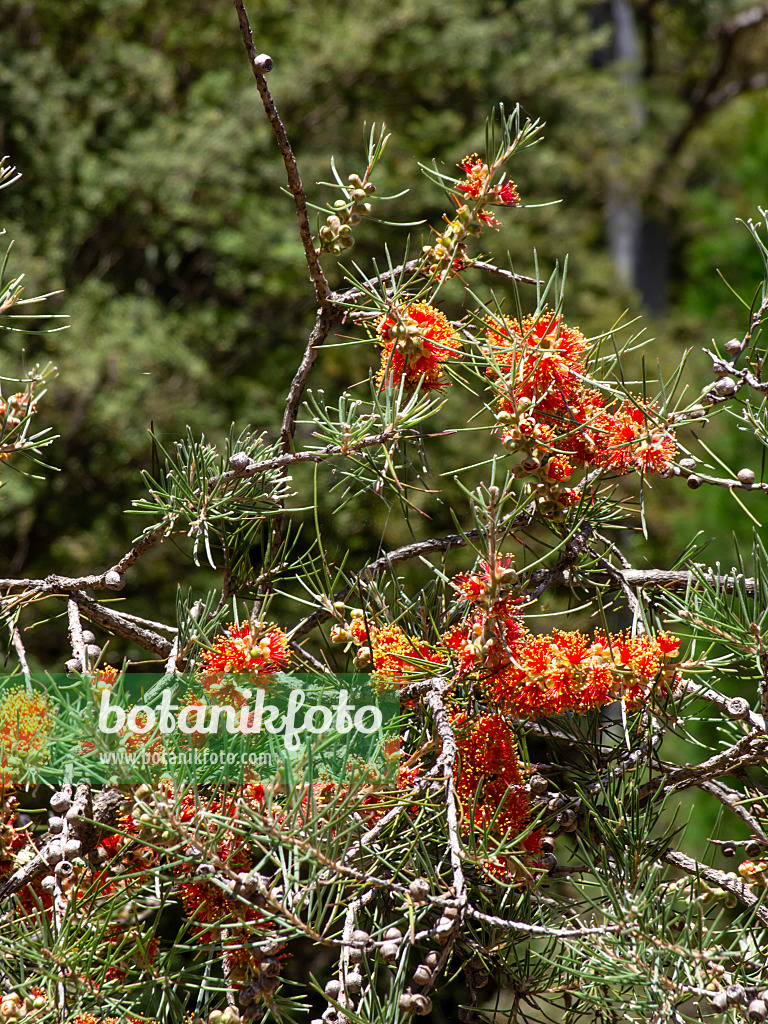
260, 64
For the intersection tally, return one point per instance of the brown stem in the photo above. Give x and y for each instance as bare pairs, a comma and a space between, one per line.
260, 63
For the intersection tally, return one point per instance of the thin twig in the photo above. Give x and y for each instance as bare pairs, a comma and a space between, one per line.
734, 801
22, 655
261, 63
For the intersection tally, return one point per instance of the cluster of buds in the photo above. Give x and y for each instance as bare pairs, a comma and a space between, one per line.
12, 412
148, 816
14, 409
342, 632
14, 1006
523, 434
701, 892
754, 873
336, 233
448, 252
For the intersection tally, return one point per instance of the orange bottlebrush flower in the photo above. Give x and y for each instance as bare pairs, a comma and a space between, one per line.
416, 345
631, 439
559, 468
489, 778
474, 586
395, 654
492, 630
25, 724
567, 672
544, 356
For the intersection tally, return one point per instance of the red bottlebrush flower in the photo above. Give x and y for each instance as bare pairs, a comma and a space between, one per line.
474, 586
416, 345
565, 672
243, 650
477, 183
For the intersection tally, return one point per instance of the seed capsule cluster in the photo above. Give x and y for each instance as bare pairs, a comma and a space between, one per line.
336, 233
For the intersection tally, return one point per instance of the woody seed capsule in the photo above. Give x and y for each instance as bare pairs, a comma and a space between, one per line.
60, 802
725, 386
354, 982
735, 995
757, 1010
422, 975
389, 952
64, 869
719, 1002
746, 476
694, 482
419, 888
421, 1004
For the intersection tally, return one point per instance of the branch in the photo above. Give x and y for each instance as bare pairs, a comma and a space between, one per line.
750, 749
118, 624
433, 698
541, 929
719, 878
711, 93
111, 579
326, 317
735, 802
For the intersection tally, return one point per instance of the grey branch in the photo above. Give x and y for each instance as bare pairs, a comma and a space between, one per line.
740, 890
